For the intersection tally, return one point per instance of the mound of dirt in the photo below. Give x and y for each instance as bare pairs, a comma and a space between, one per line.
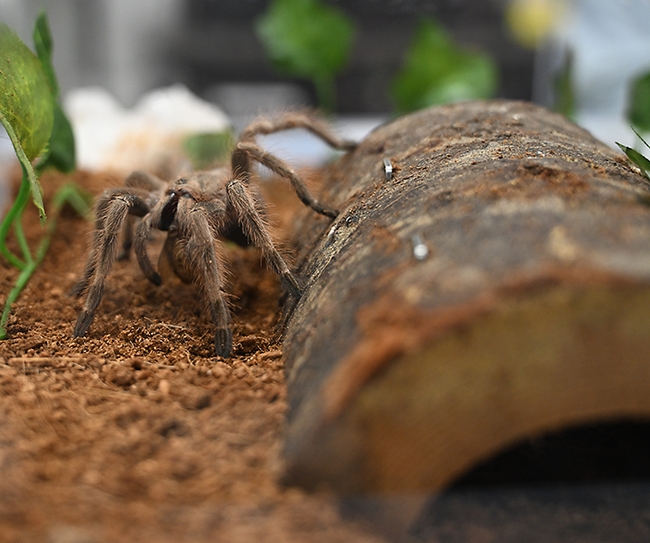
137, 432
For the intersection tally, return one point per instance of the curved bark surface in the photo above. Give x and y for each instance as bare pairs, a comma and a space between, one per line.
494, 286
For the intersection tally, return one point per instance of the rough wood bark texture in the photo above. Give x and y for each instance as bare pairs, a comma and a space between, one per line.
530, 313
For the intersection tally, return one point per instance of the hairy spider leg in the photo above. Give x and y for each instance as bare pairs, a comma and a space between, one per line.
195, 228
112, 208
150, 183
247, 149
141, 238
292, 120
252, 223
192, 234
100, 213
252, 150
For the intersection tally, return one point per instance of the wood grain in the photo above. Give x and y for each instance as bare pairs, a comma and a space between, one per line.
530, 312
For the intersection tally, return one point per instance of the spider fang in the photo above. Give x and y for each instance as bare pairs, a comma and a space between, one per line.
168, 213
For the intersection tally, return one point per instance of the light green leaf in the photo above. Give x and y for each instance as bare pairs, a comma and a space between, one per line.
26, 105
637, 158
438, 71
25, 97
307, 38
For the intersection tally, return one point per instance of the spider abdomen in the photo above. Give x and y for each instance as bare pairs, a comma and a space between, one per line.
173, 256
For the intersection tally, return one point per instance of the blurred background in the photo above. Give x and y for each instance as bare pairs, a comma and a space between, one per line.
131, 46
593, 47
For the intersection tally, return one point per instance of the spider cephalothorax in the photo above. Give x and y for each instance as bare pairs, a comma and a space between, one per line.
195, 211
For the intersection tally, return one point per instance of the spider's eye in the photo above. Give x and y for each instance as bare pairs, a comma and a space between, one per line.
181, 181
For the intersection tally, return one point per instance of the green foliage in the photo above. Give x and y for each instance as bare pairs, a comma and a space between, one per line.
69, 194
310, 39
43, 45
40, 132
205, 150
61, 153
639, 107
61, 149
565, 100
636, 157
638, 114
26, 105
437, 71
25, 97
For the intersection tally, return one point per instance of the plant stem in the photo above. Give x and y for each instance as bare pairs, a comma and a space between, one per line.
12, 218
67, 193
22, 240
26, 272
22, 280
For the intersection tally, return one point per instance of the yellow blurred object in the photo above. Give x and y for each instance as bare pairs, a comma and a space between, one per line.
530, 21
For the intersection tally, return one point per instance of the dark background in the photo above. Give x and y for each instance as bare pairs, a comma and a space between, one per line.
218, 44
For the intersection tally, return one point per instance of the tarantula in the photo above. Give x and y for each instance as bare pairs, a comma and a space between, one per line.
195, 211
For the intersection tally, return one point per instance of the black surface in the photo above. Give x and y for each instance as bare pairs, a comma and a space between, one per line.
585, 484
575, 513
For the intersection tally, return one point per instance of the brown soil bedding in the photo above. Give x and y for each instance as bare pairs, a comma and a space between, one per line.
137, 432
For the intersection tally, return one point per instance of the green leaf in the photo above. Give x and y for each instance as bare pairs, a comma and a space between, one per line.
205, 150
43, 46
639, 107
61, 153
437, 71
637, 158
26, 105
25, 97
307, 38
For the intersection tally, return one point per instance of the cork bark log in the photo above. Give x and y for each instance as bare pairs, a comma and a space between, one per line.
529, 313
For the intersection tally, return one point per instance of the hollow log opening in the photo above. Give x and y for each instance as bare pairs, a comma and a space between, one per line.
603, 453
